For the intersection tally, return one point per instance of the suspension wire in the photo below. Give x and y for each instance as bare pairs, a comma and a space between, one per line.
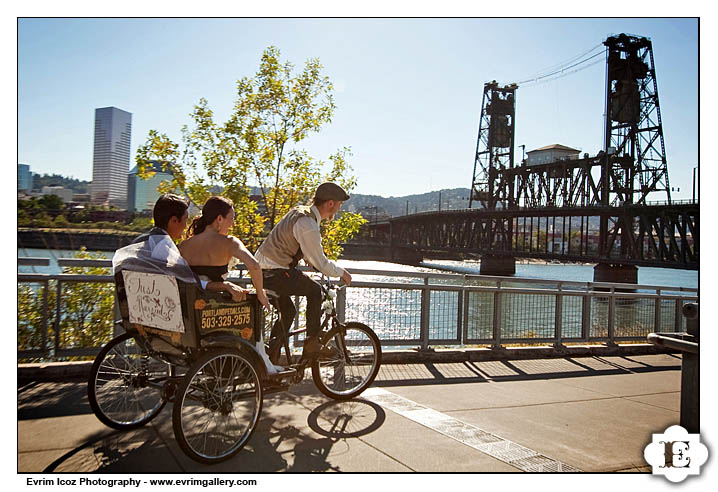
562, 64
563, 67
561, 75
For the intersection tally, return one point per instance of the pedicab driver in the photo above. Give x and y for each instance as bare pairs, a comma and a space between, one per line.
294, 237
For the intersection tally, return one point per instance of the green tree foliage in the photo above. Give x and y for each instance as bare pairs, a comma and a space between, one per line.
76, 185
86, 311
274, 111
51, 202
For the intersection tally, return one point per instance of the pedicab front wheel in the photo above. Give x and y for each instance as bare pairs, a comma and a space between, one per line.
352, 361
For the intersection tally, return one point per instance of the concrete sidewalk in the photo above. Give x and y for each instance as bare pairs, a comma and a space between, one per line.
591, 414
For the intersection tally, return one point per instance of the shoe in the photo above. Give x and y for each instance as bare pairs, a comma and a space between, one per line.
313, 350
271, 368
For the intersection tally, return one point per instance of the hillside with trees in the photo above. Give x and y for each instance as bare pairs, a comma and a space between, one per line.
76, 185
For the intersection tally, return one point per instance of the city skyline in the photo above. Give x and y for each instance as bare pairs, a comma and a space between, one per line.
408, 91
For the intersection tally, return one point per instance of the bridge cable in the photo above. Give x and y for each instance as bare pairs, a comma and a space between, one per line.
561, 75
561, 68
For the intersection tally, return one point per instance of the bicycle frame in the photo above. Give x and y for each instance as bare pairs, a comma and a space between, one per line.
328, 322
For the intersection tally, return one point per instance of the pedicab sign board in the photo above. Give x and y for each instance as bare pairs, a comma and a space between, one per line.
233, 317
153, 300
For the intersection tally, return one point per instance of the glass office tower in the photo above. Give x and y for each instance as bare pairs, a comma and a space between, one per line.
111, 157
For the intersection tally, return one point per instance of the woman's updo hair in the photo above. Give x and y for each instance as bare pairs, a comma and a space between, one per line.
213, 207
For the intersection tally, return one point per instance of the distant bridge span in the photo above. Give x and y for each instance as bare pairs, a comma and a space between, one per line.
632, 235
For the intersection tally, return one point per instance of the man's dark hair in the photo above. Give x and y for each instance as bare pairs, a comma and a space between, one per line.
166, 207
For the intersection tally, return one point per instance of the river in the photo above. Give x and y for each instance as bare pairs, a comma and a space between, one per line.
570, 272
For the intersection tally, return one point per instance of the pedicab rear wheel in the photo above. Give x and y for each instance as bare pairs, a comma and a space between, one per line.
126, 384
217, 406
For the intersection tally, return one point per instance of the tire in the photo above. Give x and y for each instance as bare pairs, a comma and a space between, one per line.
217, 406
126, 384
355, 364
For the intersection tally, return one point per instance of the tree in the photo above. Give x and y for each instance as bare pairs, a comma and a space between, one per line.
51, 202
86, 312
274, 111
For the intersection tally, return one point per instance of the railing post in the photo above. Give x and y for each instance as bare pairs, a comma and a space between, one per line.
611, 314
425, 313
657, 313
341, 304
465, 330
45, 315
58, 312
497, 318
459, 312
586, 317
558, 321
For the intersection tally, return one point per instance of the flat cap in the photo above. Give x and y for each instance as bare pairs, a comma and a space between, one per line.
331, 191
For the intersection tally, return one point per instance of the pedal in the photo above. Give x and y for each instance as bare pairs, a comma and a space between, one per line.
286, 373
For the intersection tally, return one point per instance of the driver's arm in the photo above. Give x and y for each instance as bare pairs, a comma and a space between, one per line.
306, 231
238, 250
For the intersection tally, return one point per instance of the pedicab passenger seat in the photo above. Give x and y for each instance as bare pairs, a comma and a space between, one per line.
178, 319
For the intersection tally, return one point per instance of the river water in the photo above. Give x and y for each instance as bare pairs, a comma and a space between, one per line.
570, 272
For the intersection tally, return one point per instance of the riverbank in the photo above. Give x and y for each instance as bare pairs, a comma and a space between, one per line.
74, 239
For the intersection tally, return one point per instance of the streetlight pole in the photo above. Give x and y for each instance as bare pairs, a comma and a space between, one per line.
694, 183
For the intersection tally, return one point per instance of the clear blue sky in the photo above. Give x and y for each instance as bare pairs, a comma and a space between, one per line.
408, 91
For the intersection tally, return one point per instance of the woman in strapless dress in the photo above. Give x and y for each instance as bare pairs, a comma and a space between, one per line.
211, 252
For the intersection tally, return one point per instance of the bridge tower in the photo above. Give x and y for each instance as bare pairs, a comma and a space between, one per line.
494, 147
492, 188
634, 153
634, 146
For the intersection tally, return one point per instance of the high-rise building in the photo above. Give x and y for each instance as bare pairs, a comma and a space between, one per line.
142, 193
24, 177
111, 157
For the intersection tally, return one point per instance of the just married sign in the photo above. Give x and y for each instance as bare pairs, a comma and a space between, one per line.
153, 300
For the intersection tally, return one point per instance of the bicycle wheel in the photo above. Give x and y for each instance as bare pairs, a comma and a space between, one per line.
354, 364
126, 384
217, 406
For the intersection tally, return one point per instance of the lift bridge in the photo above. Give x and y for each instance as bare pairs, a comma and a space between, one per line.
586, 209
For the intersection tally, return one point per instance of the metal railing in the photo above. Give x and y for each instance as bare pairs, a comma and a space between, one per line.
438, 309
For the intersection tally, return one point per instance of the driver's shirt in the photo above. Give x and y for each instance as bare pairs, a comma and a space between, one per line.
306, 232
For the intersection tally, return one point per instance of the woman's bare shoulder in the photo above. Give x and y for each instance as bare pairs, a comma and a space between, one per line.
235, 241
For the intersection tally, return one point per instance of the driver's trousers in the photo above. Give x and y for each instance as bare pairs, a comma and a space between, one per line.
292, 282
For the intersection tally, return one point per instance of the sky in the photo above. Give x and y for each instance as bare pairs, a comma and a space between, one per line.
408, 91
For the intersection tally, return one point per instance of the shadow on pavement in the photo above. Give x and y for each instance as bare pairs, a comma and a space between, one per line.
37, 400
516, 370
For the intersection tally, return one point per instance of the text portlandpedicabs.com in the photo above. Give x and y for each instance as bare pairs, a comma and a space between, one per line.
131, 482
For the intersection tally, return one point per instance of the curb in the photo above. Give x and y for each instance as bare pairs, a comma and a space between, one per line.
63, 371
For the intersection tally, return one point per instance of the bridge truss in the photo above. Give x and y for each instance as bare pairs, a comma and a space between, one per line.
655, 235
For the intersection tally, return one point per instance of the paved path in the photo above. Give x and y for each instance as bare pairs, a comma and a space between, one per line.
586, 414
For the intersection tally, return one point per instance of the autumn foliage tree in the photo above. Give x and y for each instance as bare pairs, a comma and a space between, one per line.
259, 144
